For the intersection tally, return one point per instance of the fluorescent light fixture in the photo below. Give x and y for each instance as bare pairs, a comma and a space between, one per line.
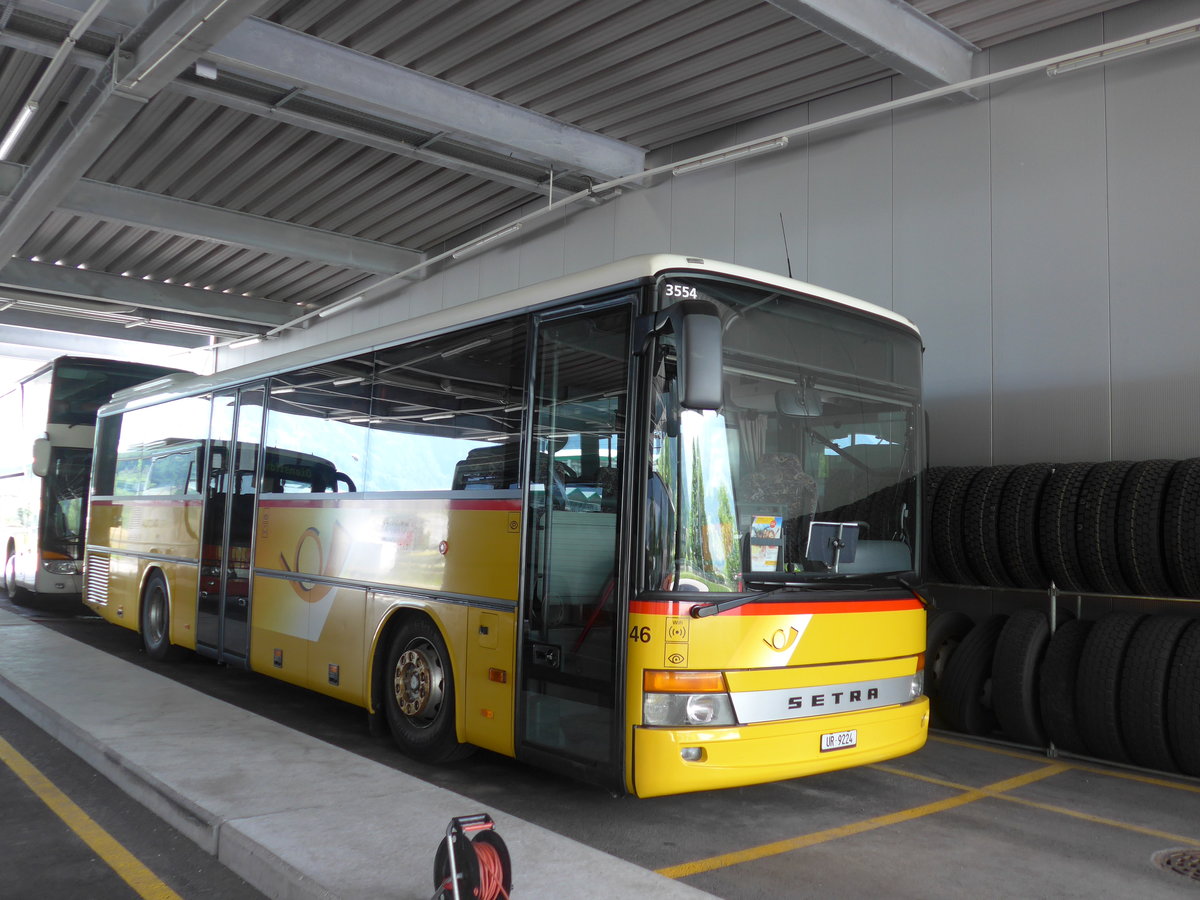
480, 242
281, 390
717, 159
137, 323
342, 382
14, 133
335, 308
1120, 50
455, 351
437, 417
245, 342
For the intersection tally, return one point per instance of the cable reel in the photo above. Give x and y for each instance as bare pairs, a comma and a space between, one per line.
475, 868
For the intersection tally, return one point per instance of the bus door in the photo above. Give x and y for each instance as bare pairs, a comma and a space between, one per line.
572, 648
223, 606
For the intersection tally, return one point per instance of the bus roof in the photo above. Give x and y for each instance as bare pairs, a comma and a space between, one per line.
626, 272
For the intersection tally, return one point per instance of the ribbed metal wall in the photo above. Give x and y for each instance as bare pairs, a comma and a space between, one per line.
1043, 239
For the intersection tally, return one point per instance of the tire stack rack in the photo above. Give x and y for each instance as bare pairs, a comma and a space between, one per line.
1106, 662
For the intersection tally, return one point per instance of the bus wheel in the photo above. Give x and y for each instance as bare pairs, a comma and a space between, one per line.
156, 621
418, 693
15, 594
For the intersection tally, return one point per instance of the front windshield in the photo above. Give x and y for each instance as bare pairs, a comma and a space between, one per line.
808, 471
65, 499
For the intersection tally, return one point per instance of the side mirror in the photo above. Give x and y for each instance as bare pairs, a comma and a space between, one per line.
41, 457
698, 338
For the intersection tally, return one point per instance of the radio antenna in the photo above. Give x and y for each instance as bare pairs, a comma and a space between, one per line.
786, 253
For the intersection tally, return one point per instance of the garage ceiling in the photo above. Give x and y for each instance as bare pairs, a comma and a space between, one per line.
197, 171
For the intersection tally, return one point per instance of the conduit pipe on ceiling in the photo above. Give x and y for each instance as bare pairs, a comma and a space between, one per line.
34, 100
1054, 65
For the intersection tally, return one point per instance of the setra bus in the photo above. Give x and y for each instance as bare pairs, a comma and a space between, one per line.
653, 525
45, 465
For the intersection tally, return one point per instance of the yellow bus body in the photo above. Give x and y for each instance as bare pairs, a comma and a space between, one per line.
328, 576
773, 647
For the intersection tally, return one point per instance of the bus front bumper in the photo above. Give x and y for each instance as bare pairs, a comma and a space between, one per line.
675, 761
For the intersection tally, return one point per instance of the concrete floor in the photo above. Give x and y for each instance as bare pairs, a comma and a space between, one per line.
960, 818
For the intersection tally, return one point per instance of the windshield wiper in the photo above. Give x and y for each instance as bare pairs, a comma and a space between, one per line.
699, 611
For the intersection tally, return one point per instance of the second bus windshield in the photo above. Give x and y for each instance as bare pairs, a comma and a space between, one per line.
807, 472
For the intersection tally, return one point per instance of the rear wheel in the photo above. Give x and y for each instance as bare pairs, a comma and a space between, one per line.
418, 693
156, 621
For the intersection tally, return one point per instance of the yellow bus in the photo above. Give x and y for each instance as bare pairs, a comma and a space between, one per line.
653, 525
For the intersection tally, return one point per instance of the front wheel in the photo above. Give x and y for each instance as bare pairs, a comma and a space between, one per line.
156, 621
418, 693
15, 594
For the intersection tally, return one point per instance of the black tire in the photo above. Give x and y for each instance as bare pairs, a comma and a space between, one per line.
1096, 538
418, 693
155, 621
1015, 671
1057, 524
966, 686
1098, 685
1020, 545
1056, 687
931, 482
17, 595
947, 528
1143, 556
945, 630
1144, 691
1183, 701
981, 535
1181, 528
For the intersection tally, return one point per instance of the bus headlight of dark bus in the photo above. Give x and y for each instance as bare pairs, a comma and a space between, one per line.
686, 699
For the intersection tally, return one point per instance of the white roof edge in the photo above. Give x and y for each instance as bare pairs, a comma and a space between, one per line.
615, 273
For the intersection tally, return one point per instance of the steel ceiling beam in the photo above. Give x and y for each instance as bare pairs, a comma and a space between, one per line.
374, 86
357, 81
49, 280
894, 33
173, 37
114, 338
142, 209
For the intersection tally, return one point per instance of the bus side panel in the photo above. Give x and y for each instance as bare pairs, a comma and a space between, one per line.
487, 692
183, 582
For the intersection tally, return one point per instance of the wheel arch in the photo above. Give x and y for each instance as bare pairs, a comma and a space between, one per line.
395, 618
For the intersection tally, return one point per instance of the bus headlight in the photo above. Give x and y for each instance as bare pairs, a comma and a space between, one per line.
688, 710
684, 698
61, 566
918, 685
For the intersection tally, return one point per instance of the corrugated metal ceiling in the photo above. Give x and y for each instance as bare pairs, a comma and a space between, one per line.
649, 74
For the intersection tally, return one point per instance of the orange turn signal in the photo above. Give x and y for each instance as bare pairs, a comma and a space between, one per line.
658, 681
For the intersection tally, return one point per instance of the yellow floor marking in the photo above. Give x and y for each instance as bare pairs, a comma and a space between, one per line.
1049, 807
1082, 767
120, 860
969, 795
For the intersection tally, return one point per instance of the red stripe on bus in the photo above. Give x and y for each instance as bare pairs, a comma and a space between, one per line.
683, 608
506, 505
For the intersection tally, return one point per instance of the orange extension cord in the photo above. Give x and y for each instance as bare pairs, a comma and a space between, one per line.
491, 872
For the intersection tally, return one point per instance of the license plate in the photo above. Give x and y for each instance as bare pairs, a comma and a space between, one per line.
838, 740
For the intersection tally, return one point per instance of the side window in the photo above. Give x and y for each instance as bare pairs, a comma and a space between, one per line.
157, 449
316, 439
446, 412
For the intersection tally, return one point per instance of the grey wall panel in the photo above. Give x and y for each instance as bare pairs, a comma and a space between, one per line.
770, 187
1043, 238
1154, 230
702, 221
1049, 258
849, 191
942, 267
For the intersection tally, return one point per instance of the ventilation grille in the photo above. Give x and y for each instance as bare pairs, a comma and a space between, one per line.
96, 590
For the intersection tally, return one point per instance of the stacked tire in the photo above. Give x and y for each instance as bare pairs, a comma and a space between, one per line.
1124, 688
1106, 528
